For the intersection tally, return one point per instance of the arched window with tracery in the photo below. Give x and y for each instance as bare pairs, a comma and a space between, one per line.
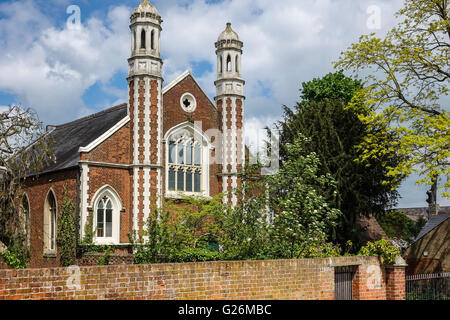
106, 207
185, 165
104, 218
187, 162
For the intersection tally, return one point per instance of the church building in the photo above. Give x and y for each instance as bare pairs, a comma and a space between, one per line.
166, 142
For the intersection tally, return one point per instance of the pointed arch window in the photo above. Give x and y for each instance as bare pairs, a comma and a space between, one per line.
106, 216
143, 39
50, 215
237, 64
229, 63
25, 213
152, 40
187, 162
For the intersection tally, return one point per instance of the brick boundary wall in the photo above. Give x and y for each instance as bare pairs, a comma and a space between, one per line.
304, 279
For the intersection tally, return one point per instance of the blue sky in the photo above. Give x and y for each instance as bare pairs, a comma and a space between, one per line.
64, 74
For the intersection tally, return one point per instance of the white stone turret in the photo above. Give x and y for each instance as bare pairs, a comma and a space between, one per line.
145, 108
230, 103
145, 25
229, 53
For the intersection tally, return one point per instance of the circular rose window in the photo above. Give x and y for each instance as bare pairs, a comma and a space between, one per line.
188, 102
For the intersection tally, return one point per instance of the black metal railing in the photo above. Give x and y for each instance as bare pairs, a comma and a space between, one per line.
434, 286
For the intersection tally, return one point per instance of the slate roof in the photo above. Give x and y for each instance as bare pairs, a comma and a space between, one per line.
69, 137
432, 223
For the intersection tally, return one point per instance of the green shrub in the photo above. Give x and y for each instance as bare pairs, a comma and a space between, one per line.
104, 260
15, 258
382, 249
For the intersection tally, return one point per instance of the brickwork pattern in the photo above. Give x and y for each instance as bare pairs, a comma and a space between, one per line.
304, 279
119, 180
37, 189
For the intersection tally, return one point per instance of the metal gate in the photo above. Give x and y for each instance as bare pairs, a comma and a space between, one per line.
343, 277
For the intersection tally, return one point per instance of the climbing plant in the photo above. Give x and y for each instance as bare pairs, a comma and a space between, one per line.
66, 232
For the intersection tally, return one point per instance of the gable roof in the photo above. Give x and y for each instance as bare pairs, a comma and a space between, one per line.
432, 224
181, 77
69, 137
370, 228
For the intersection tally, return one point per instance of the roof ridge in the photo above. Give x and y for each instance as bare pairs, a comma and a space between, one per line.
92, 116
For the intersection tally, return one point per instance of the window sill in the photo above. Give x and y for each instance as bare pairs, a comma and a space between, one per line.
49, 255
106, 242
183, 195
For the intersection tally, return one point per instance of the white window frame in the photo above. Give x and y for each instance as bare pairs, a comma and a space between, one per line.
48, 219
186, 131
109, 192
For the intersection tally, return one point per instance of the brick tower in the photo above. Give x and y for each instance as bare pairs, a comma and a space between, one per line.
145, 111
230, 103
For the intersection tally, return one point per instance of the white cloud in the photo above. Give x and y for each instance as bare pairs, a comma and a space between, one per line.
285, 43
51, 68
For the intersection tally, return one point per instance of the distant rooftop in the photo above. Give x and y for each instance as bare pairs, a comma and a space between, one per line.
422, 211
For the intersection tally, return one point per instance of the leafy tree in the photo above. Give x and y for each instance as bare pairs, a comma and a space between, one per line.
66, 238
24, 149
297, 196
396, 224
283, 216
334, 131
408, 77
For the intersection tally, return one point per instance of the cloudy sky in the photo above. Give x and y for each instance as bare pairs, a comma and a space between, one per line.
65, 73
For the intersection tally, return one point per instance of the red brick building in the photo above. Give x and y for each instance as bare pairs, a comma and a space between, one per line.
165, 142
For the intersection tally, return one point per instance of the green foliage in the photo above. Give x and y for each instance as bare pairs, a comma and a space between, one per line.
382, 249
202, 230
283, 216
195, 254
396, 224
104, 260
23, 150
66, 238
176, 232
333, 86
334, 131
407, 80
298, 195
16, 257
